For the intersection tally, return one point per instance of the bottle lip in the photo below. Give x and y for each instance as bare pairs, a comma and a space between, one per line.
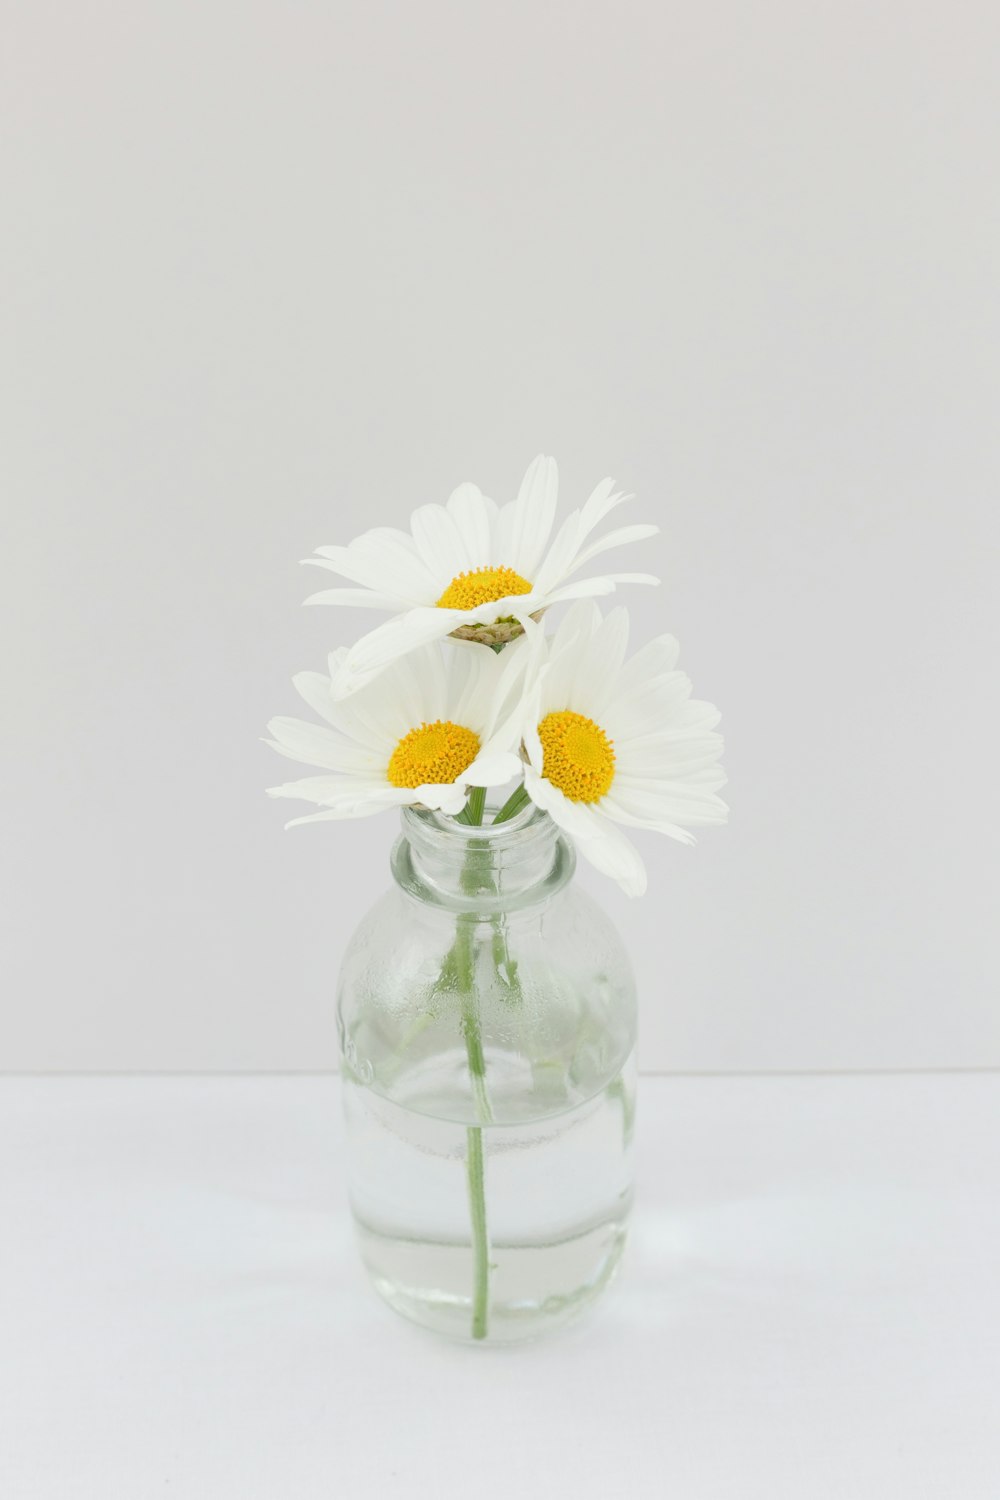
519, 863
439, 829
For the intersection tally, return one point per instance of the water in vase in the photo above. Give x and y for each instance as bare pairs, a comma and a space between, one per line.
556, 1195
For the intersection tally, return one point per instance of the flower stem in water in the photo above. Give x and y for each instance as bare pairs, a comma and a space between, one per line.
464, 952
474, 1141
480, 1237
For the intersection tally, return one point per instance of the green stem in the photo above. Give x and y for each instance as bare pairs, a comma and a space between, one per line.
473, 810
463, 957
517, 799
504, 964
461, 963
465, 982
480, 1236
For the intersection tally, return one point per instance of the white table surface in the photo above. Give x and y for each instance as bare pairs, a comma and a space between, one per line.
809, 1306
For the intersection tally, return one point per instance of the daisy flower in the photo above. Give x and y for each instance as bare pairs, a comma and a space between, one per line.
472, 569
613, 743
425, 732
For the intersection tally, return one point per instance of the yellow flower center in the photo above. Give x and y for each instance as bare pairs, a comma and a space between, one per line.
483, 586
578, 757
433, 754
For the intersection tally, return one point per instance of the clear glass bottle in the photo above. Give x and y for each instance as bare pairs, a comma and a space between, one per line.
487, 1023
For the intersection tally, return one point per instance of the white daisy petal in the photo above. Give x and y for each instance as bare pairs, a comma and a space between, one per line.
511, 606
328, 791
655, 803
661, 756
647, 578
569, 815
611, 742
471, 683
443, 797
597, 668
584, 588
501, 709
593, 588
397, 637
643, 708
494, 768
619, 538
316, 745
440, 543
385, 560
474, 515
314, 688
654, 659
348, 718
598, 840
533, 514
558, 560
466, 550
354, 598
338, 814
431, 714
615, 855
603, 500
616, 813
533, 744
567, 646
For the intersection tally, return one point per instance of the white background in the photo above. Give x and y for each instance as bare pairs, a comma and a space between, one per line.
273, 273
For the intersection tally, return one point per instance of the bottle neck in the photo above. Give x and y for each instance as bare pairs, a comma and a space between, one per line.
483, 869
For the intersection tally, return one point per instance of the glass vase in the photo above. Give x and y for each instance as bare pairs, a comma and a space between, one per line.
487, 1024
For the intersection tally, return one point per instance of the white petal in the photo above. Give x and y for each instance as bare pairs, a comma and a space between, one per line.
558, 560
359, 719
396, 638
533, 714
525, 526
584, 588
354, 718
414, 689
670, 830
511, 606
571, 639
468, 683
671, 753
440, 544
569, 815
474, 515
328, 791
354, 598
448, 797
655, 658
619, 538
502, 714
598, 840
605, 583
492, 767
615, 855
342, 793
385, 560
316, 745
598, 666
314, 688
338, 814
653, 705
474, 675
664, 806
601, 502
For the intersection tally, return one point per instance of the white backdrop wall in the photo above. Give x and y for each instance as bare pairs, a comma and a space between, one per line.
274, 273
